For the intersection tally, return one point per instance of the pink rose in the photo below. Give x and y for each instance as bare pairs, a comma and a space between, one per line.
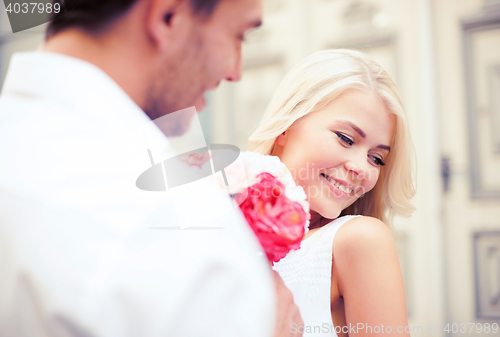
278, 222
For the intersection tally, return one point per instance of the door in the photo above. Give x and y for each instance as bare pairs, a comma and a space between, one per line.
468, 64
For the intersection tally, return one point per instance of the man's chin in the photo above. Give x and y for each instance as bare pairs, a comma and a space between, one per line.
201, 105
176, 123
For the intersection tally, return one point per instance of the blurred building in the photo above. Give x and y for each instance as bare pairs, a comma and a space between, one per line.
445, 57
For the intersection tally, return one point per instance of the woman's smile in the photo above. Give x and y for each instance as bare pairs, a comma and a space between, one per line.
339, 190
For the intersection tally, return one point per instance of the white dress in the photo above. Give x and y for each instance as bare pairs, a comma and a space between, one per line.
307, 273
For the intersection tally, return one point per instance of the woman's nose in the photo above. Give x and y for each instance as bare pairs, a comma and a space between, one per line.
357, 166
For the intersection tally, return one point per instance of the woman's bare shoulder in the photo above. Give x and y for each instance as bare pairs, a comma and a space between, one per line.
363, 236
367, 272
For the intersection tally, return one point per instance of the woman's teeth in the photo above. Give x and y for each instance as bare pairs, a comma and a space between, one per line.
341, 187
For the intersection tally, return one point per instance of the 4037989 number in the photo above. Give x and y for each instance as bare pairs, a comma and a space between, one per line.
471, 327
33, 7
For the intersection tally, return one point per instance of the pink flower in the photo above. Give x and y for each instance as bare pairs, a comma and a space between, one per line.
278, 222
196, 159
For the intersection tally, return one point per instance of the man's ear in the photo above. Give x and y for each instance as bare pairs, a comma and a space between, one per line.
168, 22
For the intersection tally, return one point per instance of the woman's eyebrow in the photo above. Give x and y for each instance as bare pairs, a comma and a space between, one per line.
362, 134
384, 147
355, 127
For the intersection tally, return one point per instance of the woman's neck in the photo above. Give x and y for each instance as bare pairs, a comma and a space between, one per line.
317, 220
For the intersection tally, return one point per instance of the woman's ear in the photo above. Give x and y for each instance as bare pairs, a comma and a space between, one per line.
278, 144
281, 140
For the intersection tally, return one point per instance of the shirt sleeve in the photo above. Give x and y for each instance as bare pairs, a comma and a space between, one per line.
65, 274
83, 252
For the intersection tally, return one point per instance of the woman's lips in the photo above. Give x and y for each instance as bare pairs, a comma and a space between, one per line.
338, 189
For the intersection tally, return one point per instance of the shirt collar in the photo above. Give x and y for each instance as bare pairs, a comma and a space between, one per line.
75, 83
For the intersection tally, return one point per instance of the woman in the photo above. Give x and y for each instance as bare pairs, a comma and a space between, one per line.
338, 124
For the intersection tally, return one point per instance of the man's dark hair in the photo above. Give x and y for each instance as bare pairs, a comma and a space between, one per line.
94, 16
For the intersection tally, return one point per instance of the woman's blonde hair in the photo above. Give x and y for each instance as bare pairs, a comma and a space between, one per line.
317, 81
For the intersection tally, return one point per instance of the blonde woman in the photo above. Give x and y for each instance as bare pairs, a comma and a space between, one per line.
338, 123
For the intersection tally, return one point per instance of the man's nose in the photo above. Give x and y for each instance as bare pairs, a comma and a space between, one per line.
234, 74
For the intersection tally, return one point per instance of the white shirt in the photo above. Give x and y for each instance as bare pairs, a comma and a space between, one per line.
83, 251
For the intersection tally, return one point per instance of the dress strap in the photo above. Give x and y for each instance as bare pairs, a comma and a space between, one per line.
307, 273
332, 228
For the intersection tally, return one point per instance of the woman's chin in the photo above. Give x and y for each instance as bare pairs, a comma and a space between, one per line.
327, 210
331, 215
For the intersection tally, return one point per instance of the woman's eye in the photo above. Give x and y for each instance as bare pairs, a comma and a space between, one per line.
377, 161
344, 138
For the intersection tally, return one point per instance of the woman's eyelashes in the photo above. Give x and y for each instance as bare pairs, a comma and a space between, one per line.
377, 161
347, 141
344, 138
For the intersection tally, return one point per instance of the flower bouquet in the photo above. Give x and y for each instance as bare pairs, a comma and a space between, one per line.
273, 205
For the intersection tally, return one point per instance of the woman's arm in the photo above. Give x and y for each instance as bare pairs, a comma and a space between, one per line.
370, 279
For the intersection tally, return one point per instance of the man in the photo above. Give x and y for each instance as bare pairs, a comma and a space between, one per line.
80, 256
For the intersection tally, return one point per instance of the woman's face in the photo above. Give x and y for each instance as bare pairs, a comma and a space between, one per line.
336, 153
